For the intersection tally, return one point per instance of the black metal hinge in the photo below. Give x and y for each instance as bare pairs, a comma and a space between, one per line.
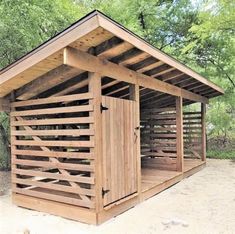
104, 192
103, 108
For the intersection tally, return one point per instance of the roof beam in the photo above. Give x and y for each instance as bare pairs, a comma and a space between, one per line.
130, 37
82, 60
106, 45
146, 62
169, 75
126, 55
44, 82
157, 70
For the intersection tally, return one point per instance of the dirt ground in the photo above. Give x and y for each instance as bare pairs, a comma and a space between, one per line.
203, 203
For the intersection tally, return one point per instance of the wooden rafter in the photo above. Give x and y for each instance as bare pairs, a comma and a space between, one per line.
78, 59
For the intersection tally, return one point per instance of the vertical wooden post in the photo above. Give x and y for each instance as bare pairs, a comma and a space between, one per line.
179, 135
95, 89
13, 147
135, 96
203, 119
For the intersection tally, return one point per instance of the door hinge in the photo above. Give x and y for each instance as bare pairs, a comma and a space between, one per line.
104, 192
103, 108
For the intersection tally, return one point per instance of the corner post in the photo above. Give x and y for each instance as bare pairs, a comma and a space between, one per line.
13, 147
179, 135
135, 96
95, 89
203, 119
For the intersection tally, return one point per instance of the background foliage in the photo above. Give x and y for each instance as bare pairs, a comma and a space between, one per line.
200, 33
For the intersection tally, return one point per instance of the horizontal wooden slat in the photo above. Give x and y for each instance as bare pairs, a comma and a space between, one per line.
192, 123
61, 132
78, 120
166, 135
160, 154
57, 154
157, 110
192, 113
54, 197
70, 178
66, 98
192, 118
68, 166
58, 187
57, 110
54, 143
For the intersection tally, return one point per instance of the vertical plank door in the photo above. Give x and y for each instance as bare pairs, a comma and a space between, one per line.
119, 151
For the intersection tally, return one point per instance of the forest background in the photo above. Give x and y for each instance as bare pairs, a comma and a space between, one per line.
199, 33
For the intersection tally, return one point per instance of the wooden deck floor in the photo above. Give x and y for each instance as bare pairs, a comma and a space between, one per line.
156, 180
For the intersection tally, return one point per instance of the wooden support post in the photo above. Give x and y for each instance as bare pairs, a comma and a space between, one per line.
95, 89
135, 96
203, 119
13, 147
179, 135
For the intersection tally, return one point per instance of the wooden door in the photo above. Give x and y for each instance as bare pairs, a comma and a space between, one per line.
119, 149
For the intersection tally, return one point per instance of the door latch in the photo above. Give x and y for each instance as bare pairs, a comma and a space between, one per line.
103, 108
104, 192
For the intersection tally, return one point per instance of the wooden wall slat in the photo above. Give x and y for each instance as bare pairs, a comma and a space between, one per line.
57, 154
41, 101
58, 121
67, 132
58, 110
69, 166
54, 186
50, 196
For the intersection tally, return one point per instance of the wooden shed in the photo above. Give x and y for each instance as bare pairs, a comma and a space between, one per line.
98, 122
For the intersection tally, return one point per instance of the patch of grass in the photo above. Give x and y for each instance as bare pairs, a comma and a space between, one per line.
221, 154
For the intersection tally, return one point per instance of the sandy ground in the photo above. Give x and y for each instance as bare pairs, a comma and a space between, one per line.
203, 203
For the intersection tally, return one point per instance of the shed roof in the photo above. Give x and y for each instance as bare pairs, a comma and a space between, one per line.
103, 37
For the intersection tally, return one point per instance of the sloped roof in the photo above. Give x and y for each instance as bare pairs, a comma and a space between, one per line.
107, 39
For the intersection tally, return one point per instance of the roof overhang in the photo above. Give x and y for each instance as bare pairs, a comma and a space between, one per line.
85, 35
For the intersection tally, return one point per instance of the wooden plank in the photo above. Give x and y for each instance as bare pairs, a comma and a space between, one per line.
58, 187
49, 100
51, 78
69, 178
179, 138
95, 88
58, 121
53, 143
61, 132
56, 154
83, 60
57, 110
53, 197
67, 166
